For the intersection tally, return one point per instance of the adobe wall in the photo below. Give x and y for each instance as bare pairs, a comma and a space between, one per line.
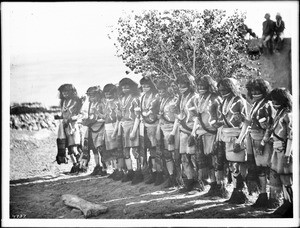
276, 67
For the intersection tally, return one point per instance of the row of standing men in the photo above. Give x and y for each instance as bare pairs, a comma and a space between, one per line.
207, 134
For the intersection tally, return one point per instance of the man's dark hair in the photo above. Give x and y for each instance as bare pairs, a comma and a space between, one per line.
208, 82
132, 85
283, 97
229, 84
258, 84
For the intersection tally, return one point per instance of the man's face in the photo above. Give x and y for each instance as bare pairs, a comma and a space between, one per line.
224, 91
202, 89
183, 88
146, 88
276, 104
256, 94
126, 89
255, 91
162, 92
108, 95
267, 16
66, 94
92, 97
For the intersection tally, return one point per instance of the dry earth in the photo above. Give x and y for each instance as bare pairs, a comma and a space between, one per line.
37, 184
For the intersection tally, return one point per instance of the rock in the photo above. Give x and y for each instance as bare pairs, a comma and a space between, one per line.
89, 209
35, 127
76, 212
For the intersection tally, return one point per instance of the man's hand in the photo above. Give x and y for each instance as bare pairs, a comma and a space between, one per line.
191, 141
260, 149
132, 135
73, 118
146, 113
237, 148
287, 160
171, 139
114, 136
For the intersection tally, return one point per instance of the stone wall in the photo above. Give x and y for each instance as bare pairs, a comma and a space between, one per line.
33, 121
33, 116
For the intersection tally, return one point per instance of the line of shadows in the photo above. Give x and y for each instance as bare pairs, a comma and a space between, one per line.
50, 178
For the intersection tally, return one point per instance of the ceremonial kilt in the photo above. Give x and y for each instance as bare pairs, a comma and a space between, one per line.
166, 129
97, 134
264, 159
229, 136
183, 140
126, 128
69, 132
278, 161
112, 144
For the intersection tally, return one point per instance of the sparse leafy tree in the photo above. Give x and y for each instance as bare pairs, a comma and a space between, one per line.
173, 43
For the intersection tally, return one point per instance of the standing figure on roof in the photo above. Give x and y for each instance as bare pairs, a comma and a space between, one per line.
69, 135
168, 109
148, 129
114, 155
129, 129
258, 124
210, 165
278, 35
94, 136
282, 157
233, 113
185, 121
268, 32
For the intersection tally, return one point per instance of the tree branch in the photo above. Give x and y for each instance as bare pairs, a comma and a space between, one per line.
200, 71
194, 60
172, 68
161, 71
187, 55
174, 79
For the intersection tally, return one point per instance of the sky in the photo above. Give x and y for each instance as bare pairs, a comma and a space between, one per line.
49, 44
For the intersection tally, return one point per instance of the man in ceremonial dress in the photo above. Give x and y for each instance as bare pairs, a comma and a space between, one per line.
148, 129
207, 104
233, 113
168, 109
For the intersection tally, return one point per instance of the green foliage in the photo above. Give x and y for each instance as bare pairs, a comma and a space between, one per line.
167, 45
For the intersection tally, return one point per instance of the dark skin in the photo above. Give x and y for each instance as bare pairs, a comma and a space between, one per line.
163, 94
108, 95
126, 90
260, 149
224, 91
183, 86
277, 105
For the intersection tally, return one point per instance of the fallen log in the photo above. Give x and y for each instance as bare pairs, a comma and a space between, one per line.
89, 209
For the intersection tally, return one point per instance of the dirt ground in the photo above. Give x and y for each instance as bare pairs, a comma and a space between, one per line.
37, 184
